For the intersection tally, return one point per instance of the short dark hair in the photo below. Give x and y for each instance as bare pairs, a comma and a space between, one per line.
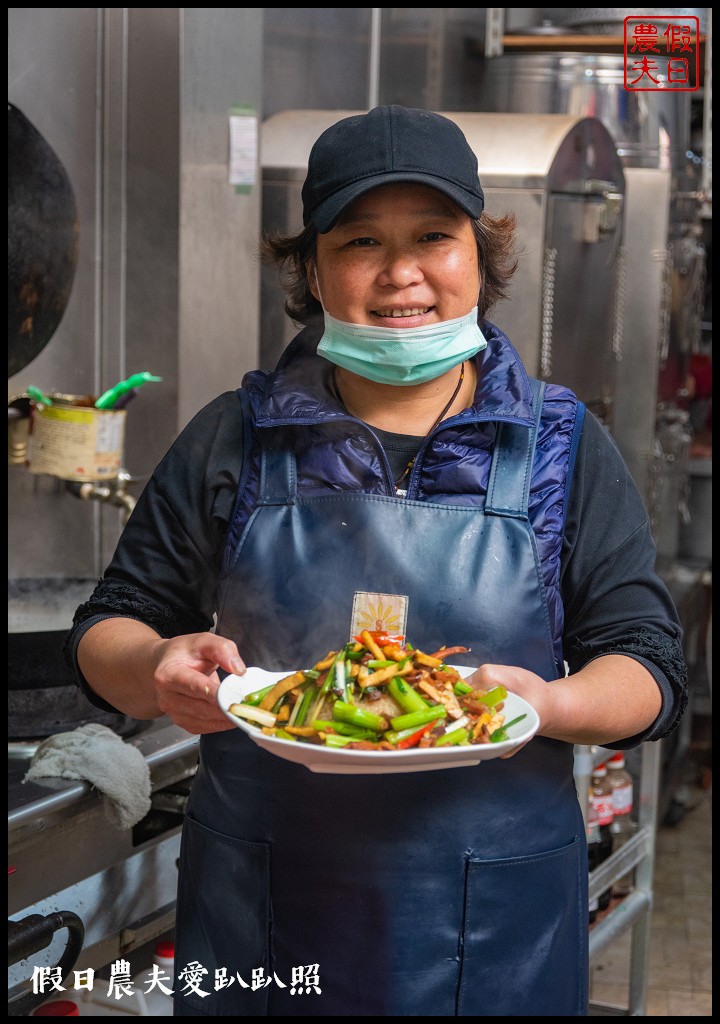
497, 260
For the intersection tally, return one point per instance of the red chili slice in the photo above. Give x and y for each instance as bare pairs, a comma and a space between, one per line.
412, 741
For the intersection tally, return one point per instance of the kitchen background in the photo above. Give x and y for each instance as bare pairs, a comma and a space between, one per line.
149, 262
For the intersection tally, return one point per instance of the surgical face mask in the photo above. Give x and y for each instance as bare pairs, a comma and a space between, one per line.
402, 355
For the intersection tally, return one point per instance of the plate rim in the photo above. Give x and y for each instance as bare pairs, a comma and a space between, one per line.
367, 761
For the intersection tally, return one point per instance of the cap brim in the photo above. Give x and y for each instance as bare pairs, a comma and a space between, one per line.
326, 214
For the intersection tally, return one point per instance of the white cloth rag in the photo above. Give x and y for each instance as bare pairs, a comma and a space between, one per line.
96, 754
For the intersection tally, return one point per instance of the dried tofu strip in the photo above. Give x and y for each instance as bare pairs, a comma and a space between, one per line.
394, 653
441, 696
384, 675
327, 661
280, 689
372, 646
301, 730
424, 659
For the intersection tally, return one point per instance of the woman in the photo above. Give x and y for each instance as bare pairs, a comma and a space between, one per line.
401, 450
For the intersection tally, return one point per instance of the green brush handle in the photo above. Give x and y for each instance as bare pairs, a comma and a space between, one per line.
108, 398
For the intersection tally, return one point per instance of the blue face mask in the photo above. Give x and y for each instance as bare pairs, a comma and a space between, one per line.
402, 355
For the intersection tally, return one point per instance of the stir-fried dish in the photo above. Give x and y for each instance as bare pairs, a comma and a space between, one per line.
378, 692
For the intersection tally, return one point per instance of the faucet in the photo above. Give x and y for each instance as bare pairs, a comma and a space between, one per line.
113, 492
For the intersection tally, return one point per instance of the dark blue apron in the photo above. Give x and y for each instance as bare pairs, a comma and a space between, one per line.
441, 893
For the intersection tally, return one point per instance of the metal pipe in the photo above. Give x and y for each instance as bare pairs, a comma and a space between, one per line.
627, 913
34, 933
111, 493
374, 69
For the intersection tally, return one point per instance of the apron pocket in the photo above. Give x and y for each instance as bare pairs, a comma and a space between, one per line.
525, 938
223, 922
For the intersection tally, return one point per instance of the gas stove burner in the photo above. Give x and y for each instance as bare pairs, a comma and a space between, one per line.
43, 699
35, 714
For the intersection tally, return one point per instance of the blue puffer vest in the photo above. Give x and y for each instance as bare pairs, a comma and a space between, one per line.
335, 452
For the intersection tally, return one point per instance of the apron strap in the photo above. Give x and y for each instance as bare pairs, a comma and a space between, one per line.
509, 483
278, 473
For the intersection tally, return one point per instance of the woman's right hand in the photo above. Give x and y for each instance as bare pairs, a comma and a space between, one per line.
142, 675
186, 679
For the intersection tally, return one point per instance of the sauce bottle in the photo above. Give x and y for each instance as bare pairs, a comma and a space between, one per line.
601, 799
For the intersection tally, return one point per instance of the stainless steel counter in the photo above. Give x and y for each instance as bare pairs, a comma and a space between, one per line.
65, 856
161, 744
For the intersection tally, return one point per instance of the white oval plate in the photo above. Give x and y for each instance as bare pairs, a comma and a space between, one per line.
372, 762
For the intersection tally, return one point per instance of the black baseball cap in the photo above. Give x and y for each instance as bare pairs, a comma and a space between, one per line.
386, 145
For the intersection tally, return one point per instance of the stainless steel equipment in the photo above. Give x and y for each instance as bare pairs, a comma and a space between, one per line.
661, 261
135, 103
661, 268
650, 129
68, 868
562, 178
609, 20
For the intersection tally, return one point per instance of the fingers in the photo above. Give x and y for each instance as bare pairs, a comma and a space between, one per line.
187, 681
511, 753
198, 718
192, 704
520, 681
487, 676
218, 651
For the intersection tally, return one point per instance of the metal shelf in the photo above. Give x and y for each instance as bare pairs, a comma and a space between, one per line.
622, 861
632, 913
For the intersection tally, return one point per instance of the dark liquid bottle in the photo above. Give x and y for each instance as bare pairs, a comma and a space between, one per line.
592, 832
623, 827
601, 799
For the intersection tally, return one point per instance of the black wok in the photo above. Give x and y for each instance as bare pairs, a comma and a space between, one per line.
42, 241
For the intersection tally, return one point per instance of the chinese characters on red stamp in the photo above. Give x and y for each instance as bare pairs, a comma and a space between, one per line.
662, 52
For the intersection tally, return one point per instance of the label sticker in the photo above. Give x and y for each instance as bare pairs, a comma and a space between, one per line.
243, 148
76, 442
379, 612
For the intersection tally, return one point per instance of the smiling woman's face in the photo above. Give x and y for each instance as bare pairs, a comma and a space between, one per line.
401, 256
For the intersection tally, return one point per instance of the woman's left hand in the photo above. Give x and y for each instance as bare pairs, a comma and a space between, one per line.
611, 698
531, 687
